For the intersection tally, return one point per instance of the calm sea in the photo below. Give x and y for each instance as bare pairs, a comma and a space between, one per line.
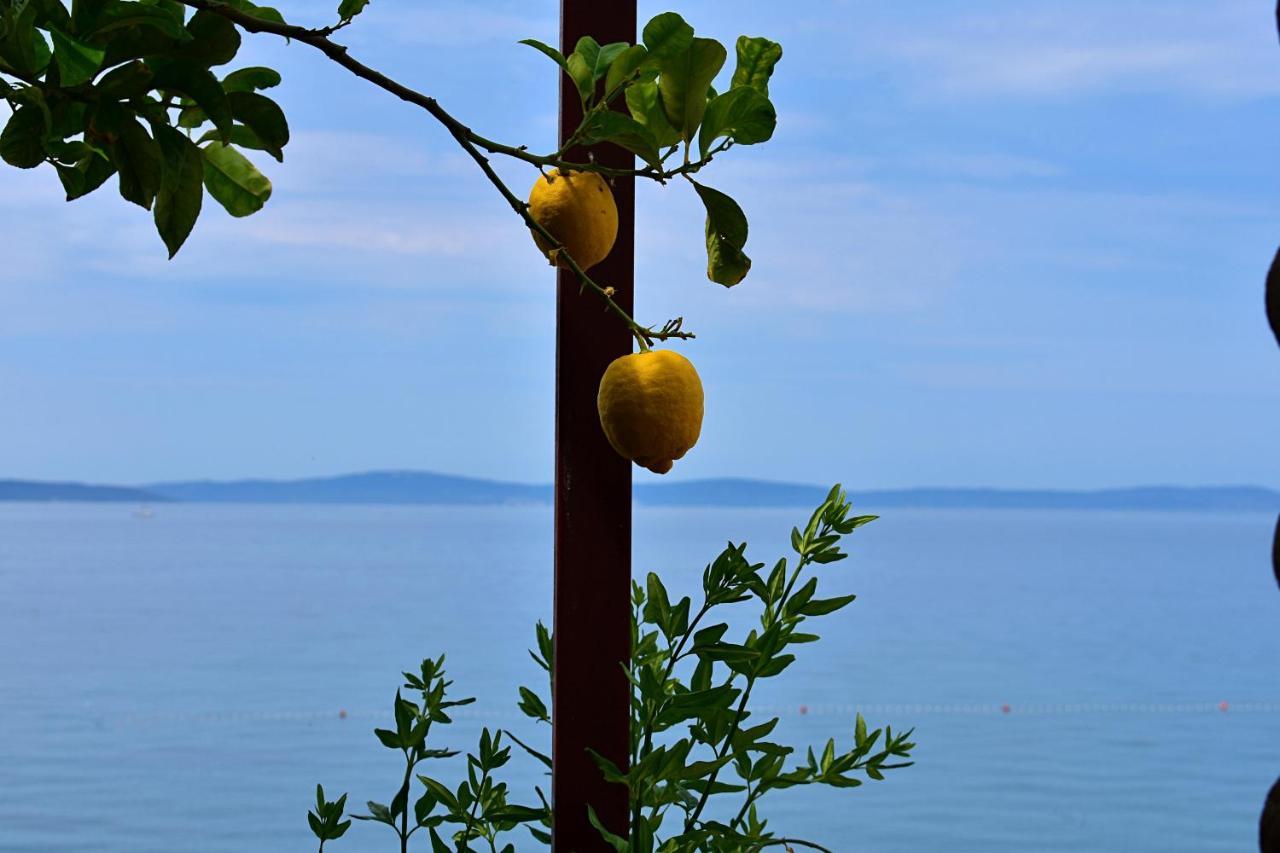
174, 682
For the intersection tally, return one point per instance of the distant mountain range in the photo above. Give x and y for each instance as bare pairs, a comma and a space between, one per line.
414, 487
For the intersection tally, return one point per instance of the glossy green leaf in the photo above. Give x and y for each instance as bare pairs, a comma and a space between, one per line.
624, 131
126, 81
181, 187
625, 66
644, 102
265, 13
77, 61
197, 83
119, 15
22, 141
22, 47
138, 162
548, 50
234, 181
251, 79
684, 81
264, 117
666, 37
85, 176
756, 60
744, 115
348, 9
215, 40
726, 232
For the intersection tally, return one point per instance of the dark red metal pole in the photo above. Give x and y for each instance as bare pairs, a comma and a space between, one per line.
591, 697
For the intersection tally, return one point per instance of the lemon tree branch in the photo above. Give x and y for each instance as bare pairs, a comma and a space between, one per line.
319, 38
475, 145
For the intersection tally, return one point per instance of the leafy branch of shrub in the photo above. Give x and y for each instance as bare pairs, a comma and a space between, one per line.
691, 717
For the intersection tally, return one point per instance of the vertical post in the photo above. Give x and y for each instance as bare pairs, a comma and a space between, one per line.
591, 696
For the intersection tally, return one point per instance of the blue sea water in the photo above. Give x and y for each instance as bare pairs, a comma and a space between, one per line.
174, 682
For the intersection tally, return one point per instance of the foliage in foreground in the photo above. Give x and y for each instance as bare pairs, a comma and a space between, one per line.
700, 764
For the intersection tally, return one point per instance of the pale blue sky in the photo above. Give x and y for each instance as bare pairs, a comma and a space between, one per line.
996, 243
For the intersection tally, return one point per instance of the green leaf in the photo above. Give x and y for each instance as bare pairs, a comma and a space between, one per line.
627, 63
645, 105
726, 232
348, 9
216, 41
264, 117
684, 83
181, 187
253, 78
77, 61
666, 37
127, 81
581, 65
547, 49
623, 131
756, 60
823, 606
234, 181
617, 842
138, 160
197, 83
118, 15
532, 705
85, 176
22, 141
22, 47
744, 115
265, 13
437, 843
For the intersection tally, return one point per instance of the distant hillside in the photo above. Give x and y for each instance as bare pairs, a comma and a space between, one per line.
416, 487
25, 490
747, 493
377, 487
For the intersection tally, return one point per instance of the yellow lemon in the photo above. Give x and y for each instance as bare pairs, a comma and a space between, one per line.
578, 210
651, 407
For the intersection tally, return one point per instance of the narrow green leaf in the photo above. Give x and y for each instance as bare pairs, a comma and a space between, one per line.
181, 187
617, 842
726, 232
547, 49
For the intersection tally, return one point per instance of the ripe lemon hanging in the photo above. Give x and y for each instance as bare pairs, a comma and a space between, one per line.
650, 406
579, 211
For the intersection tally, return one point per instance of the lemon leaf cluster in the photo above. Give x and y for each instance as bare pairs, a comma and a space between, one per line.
135, 91
667, 84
